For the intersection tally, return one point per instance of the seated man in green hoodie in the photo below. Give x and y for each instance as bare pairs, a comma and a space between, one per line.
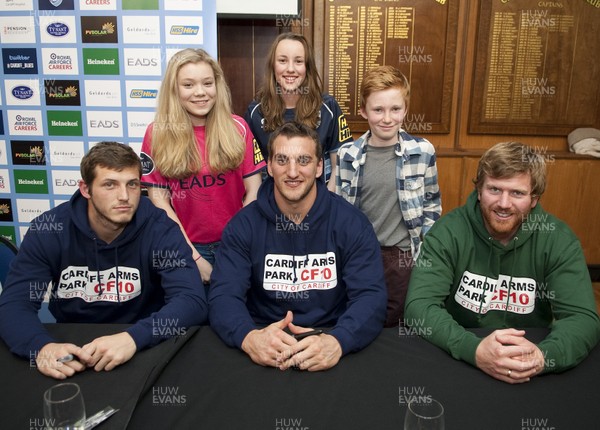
502, 262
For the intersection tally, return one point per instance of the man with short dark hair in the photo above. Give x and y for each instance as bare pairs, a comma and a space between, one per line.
112, 257
502, 262
298, 253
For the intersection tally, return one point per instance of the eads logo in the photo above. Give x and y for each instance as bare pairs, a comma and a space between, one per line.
105, 123
99, 29
65, 181
101, 61
142, 61
62, 92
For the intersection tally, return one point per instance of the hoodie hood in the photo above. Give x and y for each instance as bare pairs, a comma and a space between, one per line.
78, 205
269, 209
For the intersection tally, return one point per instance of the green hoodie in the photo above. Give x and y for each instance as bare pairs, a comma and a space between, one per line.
465, 279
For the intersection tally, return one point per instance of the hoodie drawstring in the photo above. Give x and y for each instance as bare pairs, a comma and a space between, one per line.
512, 270
117, 274
100, 282
489, 264
100, 289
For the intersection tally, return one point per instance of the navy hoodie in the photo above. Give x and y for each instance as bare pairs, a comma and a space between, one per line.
147, 278
327, 270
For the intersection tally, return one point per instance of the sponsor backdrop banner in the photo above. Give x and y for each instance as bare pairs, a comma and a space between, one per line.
76, 72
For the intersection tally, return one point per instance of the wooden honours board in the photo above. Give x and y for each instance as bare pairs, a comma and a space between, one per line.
418, 37
536, 70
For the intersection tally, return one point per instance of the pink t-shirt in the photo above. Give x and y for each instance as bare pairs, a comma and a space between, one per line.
205, 202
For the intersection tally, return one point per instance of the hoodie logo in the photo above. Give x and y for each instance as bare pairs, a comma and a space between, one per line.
481, 294
295, 273
99, 286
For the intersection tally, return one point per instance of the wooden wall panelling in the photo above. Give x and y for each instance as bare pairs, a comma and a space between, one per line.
537, 77
451, 182
418, 37
468, 141
572, 195
243, 46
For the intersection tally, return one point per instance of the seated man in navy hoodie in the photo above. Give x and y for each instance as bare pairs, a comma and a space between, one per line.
112, 257
298, 253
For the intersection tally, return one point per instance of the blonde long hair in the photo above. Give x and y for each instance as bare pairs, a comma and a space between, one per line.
309, 104
174, 147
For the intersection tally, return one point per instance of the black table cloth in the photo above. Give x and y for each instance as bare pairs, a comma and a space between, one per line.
196, 382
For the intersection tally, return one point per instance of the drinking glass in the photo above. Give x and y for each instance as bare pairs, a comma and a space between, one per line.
64, 408
424, 415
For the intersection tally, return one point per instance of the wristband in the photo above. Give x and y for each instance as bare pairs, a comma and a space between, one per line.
198, 257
